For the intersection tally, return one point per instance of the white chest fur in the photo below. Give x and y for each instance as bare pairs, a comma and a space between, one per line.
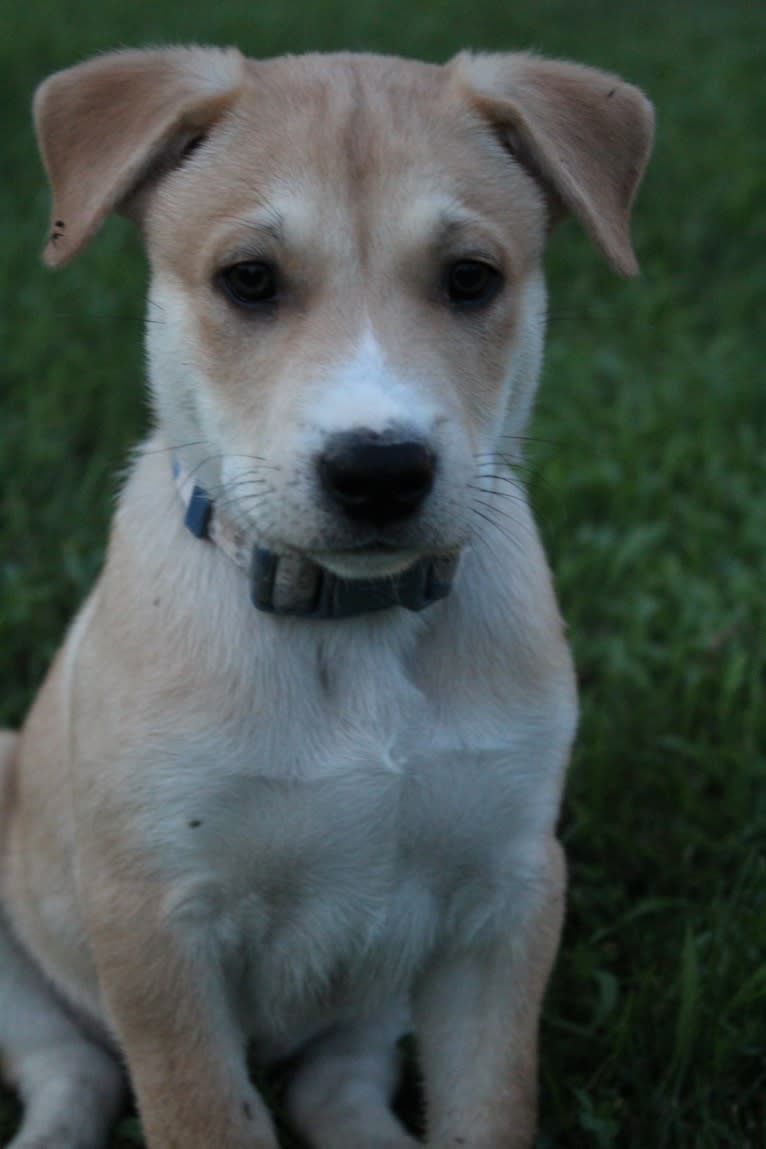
353, 824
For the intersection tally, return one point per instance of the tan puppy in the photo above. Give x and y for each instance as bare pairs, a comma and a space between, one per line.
313, 823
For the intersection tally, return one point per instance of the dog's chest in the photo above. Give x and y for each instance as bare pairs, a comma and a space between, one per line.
328, 896
329, 874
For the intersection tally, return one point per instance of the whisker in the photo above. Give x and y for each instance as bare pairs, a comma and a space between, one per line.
497, 494
533, 475
509, 460
503, 514
244, 501
506, 534
481, 536
242, 482
174, 447
234, 484
223, 501
510, 436
503, 476
247, 477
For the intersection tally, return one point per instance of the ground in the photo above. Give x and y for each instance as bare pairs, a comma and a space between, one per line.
647, 470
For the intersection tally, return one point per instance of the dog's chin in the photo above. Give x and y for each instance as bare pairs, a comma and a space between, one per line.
365, 563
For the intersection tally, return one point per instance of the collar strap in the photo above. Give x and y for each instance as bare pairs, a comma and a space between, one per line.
295, 585
292, 584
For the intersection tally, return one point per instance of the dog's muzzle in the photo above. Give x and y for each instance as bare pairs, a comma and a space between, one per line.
296, 586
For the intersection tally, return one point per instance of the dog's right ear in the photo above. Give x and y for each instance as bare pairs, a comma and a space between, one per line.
103, 125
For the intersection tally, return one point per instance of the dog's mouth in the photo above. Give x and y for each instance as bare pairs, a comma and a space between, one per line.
377, 552
369, 560
370, 552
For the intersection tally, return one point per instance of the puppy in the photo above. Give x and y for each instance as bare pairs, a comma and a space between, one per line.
293, 779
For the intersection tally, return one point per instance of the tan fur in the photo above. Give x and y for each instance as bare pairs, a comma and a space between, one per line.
220, 827
101, 125
8, 745
587, 135
473, 1094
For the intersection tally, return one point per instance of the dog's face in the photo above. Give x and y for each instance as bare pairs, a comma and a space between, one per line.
340, 303
347, 307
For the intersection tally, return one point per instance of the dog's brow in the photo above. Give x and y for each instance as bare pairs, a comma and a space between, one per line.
452, 230
242, 236
445, 222
451, 226
269, 223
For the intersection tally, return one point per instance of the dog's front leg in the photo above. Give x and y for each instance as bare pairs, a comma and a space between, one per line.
477, 1016
164, 988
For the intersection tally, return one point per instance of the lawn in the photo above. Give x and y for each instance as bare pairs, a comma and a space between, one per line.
648, 473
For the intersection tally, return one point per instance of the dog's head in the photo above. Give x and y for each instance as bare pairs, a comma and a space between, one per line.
347, 305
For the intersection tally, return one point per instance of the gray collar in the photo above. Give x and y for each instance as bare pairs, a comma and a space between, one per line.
295, 585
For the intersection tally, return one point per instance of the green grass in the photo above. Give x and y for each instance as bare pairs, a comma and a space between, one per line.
648, 479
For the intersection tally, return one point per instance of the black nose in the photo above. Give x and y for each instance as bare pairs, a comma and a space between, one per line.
376, 479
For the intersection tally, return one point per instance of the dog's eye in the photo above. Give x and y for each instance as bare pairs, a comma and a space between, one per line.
472, 282
250, 283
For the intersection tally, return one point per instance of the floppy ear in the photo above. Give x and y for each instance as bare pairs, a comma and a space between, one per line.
584, 134
104, 124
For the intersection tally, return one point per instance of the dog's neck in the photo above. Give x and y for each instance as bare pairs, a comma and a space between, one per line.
293, 584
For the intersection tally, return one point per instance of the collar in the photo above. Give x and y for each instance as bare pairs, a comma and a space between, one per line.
293, 584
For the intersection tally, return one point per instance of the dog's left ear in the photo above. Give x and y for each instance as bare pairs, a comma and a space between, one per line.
584, 134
